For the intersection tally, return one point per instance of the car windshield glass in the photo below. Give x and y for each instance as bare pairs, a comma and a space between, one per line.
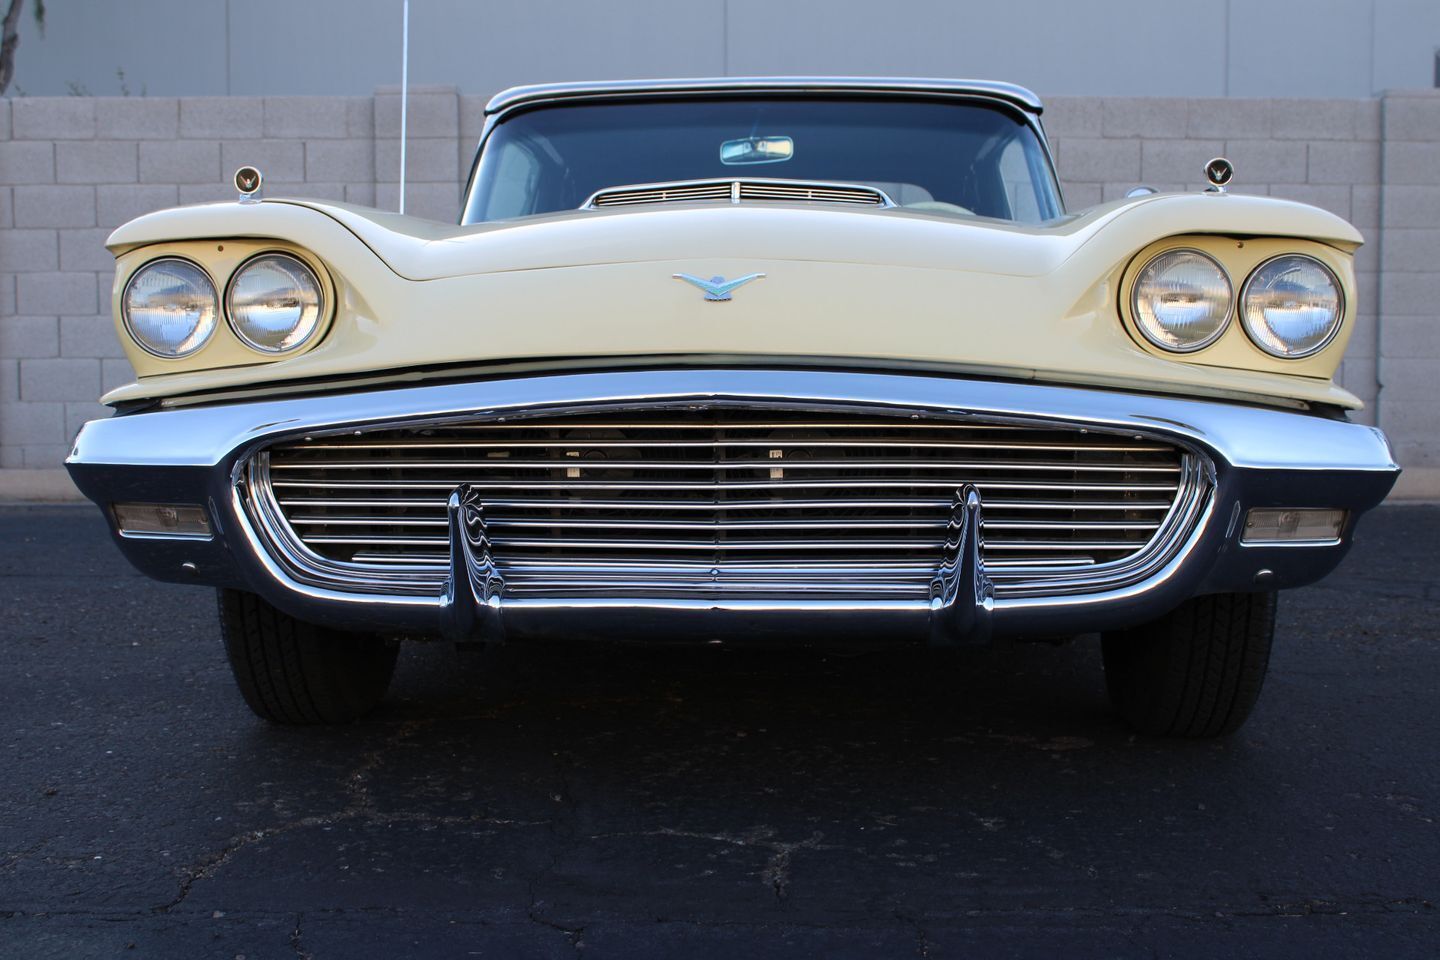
962, 158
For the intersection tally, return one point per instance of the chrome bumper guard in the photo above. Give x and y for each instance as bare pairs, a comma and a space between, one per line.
1249, 457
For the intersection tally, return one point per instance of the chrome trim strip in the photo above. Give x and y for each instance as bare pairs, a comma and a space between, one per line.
515, 96
132, 535
1244, 436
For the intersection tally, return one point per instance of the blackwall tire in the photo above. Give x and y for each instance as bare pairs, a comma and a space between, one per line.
293, 672
1195, 672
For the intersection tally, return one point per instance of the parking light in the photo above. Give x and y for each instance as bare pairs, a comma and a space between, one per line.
1292, 527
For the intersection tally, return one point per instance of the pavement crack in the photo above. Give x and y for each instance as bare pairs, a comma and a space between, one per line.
295, 940
360, 808
776, 871
564, 836
14, 857
575, 935
209, 866
532, 911
923, 946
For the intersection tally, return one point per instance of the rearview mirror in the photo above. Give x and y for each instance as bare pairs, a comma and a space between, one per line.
757, 150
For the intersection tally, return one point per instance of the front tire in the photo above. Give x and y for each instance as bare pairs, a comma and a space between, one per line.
294, 672
1195, 672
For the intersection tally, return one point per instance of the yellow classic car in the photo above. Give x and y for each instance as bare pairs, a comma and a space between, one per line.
804, 360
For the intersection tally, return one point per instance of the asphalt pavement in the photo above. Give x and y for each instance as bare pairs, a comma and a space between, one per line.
621, 802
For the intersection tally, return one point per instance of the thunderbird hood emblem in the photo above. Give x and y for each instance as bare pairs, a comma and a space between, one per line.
718, 288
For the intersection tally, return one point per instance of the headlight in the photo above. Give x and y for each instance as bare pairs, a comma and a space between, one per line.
1182, 300
1291, 306
169, 307
274, 302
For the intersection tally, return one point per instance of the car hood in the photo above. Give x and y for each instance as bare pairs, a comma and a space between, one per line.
842, 286
419, 249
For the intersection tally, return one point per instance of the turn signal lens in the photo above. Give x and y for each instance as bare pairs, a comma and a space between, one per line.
274, 303
1182, 301
161, 520
169, 307
1296, 526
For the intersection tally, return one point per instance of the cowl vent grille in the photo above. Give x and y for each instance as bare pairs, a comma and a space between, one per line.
739, 191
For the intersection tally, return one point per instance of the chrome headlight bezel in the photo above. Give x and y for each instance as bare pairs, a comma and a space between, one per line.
1335, 324
322, 305
1220, 329
209, 332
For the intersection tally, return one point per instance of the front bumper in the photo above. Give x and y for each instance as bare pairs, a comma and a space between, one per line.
1254, 457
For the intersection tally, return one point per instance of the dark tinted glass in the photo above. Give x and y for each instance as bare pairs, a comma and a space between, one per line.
960, 158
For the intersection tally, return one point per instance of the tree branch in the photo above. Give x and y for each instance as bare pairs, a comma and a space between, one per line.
9, 40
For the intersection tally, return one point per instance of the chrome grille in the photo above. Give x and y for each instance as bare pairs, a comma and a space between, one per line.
707, 501
736, 191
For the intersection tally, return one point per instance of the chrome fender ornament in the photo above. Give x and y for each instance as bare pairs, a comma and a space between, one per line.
718, 288
1219, 172
248, 181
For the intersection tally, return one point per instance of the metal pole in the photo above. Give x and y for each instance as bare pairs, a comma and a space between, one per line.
404, 91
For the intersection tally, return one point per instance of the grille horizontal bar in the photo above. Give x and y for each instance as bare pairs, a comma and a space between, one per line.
729, 444
577, 464
705, 501
700, 526
936, 484
727, 507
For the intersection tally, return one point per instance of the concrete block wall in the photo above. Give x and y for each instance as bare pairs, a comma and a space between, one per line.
71, 169
1409, 282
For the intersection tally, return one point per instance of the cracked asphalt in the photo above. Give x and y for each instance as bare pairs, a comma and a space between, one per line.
620, 802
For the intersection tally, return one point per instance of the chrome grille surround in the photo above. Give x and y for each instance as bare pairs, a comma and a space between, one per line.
727, 499
738, 191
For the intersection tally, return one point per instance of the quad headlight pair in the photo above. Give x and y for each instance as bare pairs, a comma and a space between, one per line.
274, 303
1290, 305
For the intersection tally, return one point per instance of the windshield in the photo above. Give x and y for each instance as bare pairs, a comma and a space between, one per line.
962, 158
